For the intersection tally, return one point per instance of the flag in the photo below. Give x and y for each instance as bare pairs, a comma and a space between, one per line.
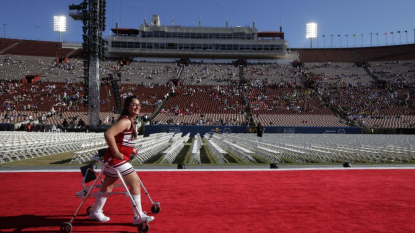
391, 32
406, 31
361, 34
354, 34
376, 33
346, 35
385, 33
399, 31
338, 35
324, 35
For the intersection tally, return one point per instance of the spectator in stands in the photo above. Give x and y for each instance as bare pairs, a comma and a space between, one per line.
65, 123
121, 140
33, 127
81, 123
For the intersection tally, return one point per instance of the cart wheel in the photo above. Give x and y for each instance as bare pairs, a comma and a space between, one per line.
88, 210
155, 209
142, 229
66, 227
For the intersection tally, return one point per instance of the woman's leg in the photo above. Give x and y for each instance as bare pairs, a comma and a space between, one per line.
96, 212
133, 183
108, 184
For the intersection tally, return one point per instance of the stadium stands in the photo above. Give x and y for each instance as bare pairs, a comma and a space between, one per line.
387, 53
330, 88
325, 55
38, 48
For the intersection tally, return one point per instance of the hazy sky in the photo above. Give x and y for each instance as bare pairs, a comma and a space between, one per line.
334, 17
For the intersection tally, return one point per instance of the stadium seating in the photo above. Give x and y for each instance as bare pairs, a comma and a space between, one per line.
340, 87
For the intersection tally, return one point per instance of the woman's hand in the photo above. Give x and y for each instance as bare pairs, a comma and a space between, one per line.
135, 151
119, 155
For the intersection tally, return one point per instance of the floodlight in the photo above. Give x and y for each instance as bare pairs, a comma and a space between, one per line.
59, 25
311, 30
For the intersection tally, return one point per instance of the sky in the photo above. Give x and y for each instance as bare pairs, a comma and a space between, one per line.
334, 17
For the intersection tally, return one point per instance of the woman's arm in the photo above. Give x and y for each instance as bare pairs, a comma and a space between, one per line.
118, 127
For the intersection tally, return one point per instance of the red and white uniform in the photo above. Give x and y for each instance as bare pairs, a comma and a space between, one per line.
125, 144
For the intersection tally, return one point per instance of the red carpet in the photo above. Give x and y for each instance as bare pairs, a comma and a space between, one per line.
228, 201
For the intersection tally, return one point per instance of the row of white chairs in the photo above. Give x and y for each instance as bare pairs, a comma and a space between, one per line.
362, 147
195, 149
177, 136
261, 149
332, 148
186, 137
87, 151
216, 151
16, 146
171, 152
243, 153
149, 147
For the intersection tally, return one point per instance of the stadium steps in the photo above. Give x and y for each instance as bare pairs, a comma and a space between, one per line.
374, 77
11, 46
355, 55
72, 52
180, 72
161, 106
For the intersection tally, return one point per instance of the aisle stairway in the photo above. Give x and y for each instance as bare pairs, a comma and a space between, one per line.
9, 47
374, 77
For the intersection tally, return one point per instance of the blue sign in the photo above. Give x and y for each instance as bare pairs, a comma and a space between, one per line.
313, 130
194, 129
6, 127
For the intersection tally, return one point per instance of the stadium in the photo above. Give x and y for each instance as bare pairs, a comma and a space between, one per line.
313, 138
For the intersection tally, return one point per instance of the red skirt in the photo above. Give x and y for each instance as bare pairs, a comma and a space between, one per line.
126, 151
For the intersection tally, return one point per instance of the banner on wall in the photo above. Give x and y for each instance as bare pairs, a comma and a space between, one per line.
193, 129
314, 130
6, 127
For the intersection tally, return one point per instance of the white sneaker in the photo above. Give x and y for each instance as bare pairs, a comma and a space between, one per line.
144, 218
99, 216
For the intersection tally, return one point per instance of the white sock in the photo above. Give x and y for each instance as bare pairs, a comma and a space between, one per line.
137, 199
99, 204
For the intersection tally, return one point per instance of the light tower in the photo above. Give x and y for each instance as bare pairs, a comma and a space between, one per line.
59, 25
92, 14
311, 32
